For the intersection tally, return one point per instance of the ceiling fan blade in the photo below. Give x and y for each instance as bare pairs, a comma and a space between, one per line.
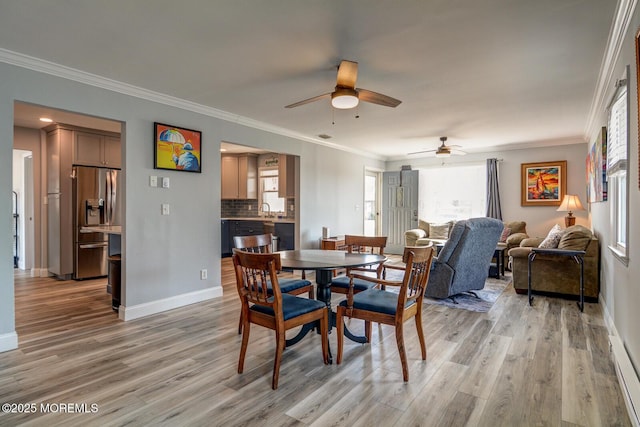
377, 98
421, 152
307, 101
347, 74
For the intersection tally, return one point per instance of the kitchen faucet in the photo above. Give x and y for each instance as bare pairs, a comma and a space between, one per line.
268, 208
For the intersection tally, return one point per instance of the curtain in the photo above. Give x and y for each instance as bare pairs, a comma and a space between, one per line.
493, 191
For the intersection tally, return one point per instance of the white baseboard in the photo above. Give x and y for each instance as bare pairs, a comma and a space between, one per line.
153, 307
627, 376
8, 341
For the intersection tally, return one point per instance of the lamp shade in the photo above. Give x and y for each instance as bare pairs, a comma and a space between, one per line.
570, 203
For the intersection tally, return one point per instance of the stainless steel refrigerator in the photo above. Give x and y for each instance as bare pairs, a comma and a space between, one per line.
95, 202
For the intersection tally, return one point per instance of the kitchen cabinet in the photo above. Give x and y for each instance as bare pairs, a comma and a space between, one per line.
232, 228
239, 176
96, 149
59, 202
286, 176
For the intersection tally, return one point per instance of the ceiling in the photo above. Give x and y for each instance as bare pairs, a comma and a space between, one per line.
488, 74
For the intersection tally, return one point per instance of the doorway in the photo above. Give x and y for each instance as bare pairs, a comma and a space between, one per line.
32, 279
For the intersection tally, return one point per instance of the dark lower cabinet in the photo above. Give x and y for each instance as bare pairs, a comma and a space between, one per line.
285, 233
232, 228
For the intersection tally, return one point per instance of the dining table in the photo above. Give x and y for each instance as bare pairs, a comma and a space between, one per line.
324, 262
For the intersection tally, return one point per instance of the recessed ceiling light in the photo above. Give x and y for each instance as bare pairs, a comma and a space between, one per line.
46, 119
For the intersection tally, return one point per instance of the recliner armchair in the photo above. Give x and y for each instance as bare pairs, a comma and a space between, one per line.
463, 263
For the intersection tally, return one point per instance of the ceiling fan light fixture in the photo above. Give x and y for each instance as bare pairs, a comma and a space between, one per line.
344, 98
442, 153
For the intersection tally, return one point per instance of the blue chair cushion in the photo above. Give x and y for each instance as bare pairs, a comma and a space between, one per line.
292, 306
288, 285
376, 300
358, 284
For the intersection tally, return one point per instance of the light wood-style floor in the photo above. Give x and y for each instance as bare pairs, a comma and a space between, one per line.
513, 366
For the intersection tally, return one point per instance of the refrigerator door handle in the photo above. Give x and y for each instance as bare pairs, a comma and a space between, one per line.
108, 195
94, 245
113, 196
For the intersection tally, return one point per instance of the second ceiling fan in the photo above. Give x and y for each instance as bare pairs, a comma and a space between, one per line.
346, 94
443, 150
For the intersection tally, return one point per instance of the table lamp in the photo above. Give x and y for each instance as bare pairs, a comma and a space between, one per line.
569, 204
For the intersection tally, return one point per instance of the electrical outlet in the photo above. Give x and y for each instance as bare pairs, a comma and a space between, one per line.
203, 274
153, 181
249, 207
165, 209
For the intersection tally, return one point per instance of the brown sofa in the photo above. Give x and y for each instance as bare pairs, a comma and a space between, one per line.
559, 275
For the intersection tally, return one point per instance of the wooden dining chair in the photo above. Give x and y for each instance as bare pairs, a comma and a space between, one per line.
261, 243
264, 304
391, 308
360, 244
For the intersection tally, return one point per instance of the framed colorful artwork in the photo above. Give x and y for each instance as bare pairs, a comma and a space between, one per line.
177, 148
597, 169
543, 183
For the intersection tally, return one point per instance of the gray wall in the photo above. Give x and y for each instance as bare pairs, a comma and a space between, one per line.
620, 287
164, 254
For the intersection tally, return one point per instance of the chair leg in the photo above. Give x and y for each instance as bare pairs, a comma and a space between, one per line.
311, 293
402, 352
420, 331
340, 332
280, 343
240, 324
367, 330
324, 334
243, 348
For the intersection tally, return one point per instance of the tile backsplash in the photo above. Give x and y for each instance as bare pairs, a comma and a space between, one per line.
248, 208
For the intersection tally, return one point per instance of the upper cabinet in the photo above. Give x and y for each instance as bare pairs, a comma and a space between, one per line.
97, 149
239, 176
286, 176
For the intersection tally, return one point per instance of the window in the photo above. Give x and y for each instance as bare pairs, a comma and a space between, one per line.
453, 192
268, 191
617, 149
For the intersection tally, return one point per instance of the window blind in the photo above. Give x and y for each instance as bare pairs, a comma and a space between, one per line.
617, 132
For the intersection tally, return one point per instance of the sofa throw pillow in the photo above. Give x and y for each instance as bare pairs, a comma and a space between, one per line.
575, 238
439, 231
553, 238
505, 233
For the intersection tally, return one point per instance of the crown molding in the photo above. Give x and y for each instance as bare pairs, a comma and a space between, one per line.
51, 68
619, 27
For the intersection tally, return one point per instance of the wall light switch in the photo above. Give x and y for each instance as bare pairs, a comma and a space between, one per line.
165, 182
153, 181
165, 209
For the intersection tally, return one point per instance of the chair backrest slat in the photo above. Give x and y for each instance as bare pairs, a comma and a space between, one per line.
418, 266
255, 274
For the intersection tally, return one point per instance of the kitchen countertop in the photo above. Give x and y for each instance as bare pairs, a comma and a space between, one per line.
261, 218
107, 229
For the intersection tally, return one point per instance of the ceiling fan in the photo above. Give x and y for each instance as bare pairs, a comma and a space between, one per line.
346, 94
443, 150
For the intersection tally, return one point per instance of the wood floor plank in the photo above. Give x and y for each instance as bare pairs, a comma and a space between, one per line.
547, 364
